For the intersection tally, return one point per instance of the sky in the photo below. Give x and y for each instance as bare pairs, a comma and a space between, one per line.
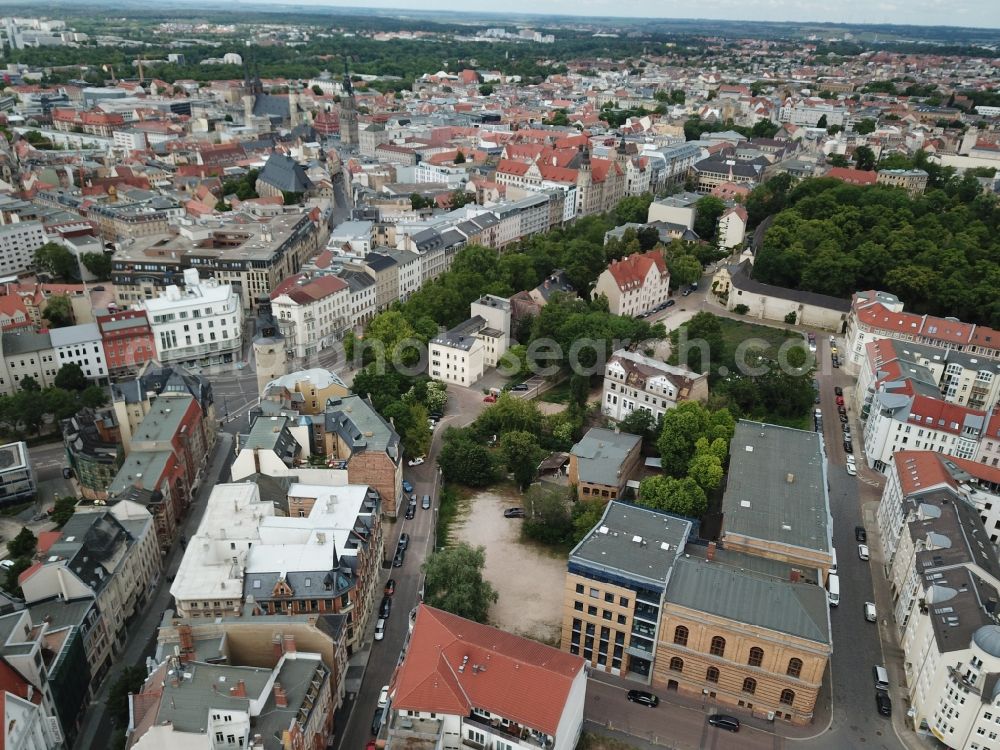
973, 13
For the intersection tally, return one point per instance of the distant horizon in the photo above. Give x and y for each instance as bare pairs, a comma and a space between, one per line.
976, 14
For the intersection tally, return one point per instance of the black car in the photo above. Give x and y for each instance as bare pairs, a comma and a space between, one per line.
860, 534
670, 303
848, 447
686, 292
377, 721
513, 513
520, 387
399, 559
646, 699
426, 502
385, 607
404, 541
722, 721
838, 390
843, 418
411, 511
883, 702
67, 473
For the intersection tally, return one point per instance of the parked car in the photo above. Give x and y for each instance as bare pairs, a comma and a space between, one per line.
383, 697
513, 513
860, 534
426, 502
390, 587
840, 400
6, 564
411, 511
863, 551
404, 541
870, 611
491, 399
843, 418
641, 696
848, 446
883, 702
380, 629
838, 390
841, 409
385, 608
722, 721
852, 470
520, 387
399, 559
670, 303
836, 363
407, 487
377, 721
686, 292
419, 459
67, 473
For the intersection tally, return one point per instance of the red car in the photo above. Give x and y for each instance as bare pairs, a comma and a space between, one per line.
390, 587
370, 745
491, 399
840, 400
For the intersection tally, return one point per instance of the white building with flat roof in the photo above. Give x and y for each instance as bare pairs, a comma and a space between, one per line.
18, 242
81, 345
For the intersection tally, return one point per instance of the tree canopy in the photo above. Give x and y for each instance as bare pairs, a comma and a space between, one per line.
454, 582
56, 260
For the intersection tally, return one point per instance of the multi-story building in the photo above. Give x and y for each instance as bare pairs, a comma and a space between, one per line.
810, 111
81, 345
461, 354
879, 315
634, 381
128, 220
128, 341
324, 559
199, 324
27, 355
382, 269
732, 227
312, 313
708, 174
361, 288
93, 450
913, 181
635, 285
460, 682
604, 462
677, 209
17, 477
113, 560
642, 602
252, 253
18, 242
167, 455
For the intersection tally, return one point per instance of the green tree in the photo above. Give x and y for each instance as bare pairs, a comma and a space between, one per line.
522, 453
22, 545
460, 158
707, 212
98, 264
684, 270
633, 209
821, 123
460, 197
62, 404
64, 509
30, 384
681, 496
866, 126
129, 680
12, 575
29, 409
838, 160
93, 397
56, 260
706, 470
465, 460
454, 582
58, 311
547, 516
317, 90
765, 129
641, 422
864, 157
586, 514
485, 89
509, 414
71, 378
436, 397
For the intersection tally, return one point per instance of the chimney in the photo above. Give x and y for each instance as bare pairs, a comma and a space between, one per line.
289, 644
794, 576
710, 555
280, 699
239, 690
186, 642
276, 646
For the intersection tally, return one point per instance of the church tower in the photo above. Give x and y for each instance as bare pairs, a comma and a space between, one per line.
348, 113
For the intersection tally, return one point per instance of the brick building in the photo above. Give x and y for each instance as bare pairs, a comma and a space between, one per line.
128, 341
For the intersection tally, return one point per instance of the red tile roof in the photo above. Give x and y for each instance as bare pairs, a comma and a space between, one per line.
524, 681
877, 316
314, 289
633, 270
922, 470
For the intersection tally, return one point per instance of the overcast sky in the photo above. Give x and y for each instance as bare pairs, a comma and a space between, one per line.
979, 13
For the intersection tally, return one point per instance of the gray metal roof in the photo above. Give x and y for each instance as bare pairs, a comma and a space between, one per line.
633, 542
284, 173
776, 489
186, 706
25, 343
751, 597
462, 336
601, 453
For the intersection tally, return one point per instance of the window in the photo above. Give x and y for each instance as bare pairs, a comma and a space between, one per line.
579, 588
676, 664
718, 647
712, 675
787, 697
756, 657
578, 606
750, 685
681, 635
794, 667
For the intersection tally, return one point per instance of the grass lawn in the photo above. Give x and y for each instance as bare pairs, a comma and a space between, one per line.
557, 394
735, 332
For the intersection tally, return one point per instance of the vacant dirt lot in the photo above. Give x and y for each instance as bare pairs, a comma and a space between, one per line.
528, 579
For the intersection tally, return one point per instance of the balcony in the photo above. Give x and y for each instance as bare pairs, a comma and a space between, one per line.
413, 728
517, 732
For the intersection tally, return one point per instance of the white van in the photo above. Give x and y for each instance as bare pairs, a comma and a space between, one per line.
881, 678
833, 567
833, 590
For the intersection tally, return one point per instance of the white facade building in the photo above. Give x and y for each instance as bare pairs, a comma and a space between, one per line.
634, 285
633, 381
18, 242
312, 313
461, 355
199, 324
81, 345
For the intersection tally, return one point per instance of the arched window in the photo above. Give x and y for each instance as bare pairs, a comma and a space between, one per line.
676, 664
756, 657
787, 697
794, 667
718, 647
681, 635
750, 685
712, 675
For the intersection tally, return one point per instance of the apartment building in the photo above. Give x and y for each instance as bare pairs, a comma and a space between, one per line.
114, 561
199, 324
635, 285
641, 601
634, 381
312, 312
251, 252
732, 227
879, 315
675, 209
27, 355
808, 112
913, 181
463, 683
93, 450
18, 243
81, 345
130, 220
363, 299
604, 463
308, 390
715, 171
461, 354
128, 341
